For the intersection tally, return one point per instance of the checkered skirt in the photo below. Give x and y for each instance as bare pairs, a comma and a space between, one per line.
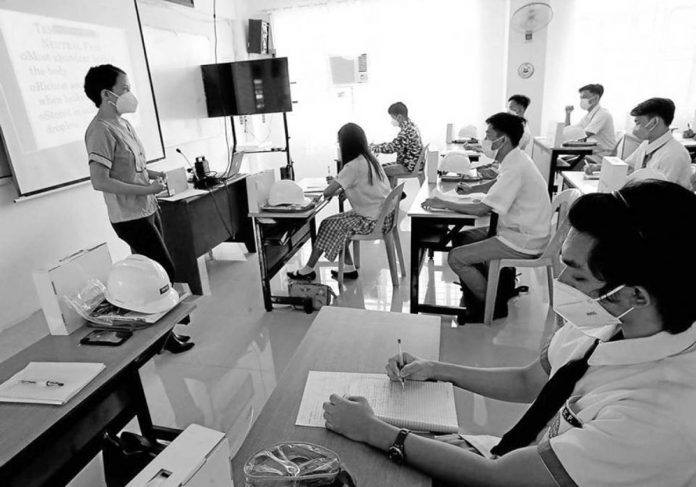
335, 231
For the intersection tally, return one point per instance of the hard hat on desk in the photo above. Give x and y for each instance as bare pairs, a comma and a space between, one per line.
140, 284
456, 162
287, 192
573, 132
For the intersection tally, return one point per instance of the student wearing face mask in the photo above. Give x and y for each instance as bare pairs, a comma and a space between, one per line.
407, 144
117, 169
519, 198
598, 123
659, 151
612, 393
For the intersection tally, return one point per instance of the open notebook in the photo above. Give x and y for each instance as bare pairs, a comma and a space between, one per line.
420, 406
48, 382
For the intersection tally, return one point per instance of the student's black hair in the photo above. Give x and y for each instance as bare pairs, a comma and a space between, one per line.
397, 108
656, 107
508, 124
521, 100
98, 78
353, 143
643, 236
594, 88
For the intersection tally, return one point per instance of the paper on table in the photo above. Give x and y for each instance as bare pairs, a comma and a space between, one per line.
73, 375
424, 406
483, 443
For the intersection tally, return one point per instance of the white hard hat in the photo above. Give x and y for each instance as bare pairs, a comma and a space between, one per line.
467, 131
646, 173
456, 162
140, 284
287, 192
573, 132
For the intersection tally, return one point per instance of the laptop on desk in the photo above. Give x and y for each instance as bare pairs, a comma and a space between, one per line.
235, 165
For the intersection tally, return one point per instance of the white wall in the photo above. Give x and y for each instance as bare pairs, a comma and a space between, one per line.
40, 231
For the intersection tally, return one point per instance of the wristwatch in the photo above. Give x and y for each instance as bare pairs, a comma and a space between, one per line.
396, 453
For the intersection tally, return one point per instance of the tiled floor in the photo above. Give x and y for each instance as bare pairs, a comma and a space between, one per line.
241, 350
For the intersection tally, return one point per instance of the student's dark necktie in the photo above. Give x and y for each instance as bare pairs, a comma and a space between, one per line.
646, 159
549, 401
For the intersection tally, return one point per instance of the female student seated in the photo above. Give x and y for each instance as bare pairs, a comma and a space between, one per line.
366, 188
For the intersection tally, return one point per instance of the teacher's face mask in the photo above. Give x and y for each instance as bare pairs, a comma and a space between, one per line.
125, 103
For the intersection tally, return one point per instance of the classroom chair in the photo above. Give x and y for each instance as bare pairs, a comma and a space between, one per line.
419, 170
391, 238
550, 258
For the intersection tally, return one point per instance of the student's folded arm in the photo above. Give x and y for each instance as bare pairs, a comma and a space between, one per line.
476, 209
102, 181
483, 187
394, 146
449, 463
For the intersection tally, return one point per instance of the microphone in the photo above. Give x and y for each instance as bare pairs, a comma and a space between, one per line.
185, 158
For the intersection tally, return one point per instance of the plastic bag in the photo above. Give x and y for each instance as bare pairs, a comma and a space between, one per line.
296, 464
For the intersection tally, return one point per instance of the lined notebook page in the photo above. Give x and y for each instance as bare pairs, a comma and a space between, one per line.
423, 406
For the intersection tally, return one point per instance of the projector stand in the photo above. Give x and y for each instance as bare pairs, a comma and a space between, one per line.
287, 172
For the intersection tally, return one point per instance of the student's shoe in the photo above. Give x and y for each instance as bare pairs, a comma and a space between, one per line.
403, 196
182, 338
175, 346
296, 276
346, 275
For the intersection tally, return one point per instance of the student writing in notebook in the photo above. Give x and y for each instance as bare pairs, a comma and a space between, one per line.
613, 391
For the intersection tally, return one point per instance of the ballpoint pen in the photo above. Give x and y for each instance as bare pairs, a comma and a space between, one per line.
401, 363
47, 383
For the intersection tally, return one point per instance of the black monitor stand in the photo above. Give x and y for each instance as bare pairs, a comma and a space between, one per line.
287, 172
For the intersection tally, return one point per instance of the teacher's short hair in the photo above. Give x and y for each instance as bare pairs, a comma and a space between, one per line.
98, 78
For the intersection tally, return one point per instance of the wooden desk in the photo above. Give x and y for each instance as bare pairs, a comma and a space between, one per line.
342, 340
278, 237
542, 145
576, 179
434, 231
194, 226
44, 445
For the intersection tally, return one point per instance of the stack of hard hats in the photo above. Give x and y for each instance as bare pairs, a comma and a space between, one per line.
287, 192
140, 284
455, 162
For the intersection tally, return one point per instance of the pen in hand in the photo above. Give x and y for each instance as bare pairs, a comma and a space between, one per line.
401, 363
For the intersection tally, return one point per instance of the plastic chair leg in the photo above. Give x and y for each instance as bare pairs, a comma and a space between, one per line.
356, 253
341, 264
491, 291
549, 281
421, 178
399, 251
391, 258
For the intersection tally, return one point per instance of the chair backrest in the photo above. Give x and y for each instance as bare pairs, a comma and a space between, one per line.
391, 204
420, 165
561, 204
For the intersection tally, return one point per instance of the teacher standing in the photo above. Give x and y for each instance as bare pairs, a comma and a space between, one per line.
117, 168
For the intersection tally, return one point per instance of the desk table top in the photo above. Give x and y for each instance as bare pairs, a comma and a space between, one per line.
576, 179
342, 340
21, 424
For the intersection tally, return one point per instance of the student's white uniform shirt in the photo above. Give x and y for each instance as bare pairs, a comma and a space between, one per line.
599, 121
365, 198
665, 154
630, 419
521, 199
526, 137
